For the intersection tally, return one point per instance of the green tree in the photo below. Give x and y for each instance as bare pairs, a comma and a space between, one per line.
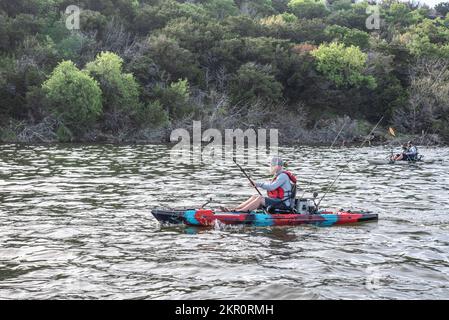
280, 6
173, 59
120, 90
153, 115
94, 22
442, 8
175, 98
279, 20
244, 26
400, 14
428, 38
355, 17
73, 96
194, 36
256, 8
156, 16
72, 46
308, 8
4, 36
341, 5
254, 83
344, 66
220, 9
350, 37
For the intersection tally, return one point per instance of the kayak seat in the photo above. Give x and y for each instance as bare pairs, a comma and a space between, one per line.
272, 210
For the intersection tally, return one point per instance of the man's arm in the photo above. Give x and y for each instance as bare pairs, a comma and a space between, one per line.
270, 186
412, 151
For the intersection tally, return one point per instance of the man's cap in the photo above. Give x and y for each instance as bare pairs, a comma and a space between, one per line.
277, 161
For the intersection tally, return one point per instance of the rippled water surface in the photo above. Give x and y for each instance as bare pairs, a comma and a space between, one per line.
76, 223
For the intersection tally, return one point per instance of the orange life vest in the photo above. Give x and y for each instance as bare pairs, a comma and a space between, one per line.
279, 192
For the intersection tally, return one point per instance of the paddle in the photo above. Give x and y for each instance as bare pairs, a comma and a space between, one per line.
392, 133
247, 176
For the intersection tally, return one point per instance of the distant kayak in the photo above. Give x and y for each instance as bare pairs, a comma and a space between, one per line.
204, 218
401, 162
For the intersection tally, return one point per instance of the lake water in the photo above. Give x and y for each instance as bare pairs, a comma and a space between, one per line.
75, 223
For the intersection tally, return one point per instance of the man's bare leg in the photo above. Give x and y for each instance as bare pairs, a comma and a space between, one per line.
240, 206
257, 203
247, 202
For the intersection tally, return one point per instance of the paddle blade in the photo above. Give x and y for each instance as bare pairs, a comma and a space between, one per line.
392, 132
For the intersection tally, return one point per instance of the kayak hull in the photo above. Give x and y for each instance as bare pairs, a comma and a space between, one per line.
205, 218
385, 162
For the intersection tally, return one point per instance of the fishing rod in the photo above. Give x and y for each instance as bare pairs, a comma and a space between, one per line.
341, 172
248, 177
318, 169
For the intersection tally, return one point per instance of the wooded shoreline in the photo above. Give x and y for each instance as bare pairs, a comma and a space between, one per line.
132, 71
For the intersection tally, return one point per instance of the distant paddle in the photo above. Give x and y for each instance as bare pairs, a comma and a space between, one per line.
247, 176
392, 132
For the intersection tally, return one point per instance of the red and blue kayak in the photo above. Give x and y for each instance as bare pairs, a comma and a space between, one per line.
205, 218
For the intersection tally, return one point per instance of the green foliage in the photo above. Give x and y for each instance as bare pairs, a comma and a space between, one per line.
73, 96
120, 90
233, 53
153, 17
342, 65
341, 5
279, 20
280, 6
254, 83
308, 8
9, 101
153, 115
399, 14
175, 61
64, 134
256, 8
175, 98
243, 26
350, 37
428, 38
220, 9
71, 47
94, 22
34, 7
4, 36
194, 36
261, 52
355, 17
442, 8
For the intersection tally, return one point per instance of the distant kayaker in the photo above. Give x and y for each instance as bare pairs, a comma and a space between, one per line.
281, 190
410, 153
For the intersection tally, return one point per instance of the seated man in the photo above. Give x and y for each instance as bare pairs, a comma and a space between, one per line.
410, 153
280, 190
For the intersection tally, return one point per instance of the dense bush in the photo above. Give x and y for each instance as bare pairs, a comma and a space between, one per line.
344, 66
175, 99
253, 83
308, 8
73, 97
142, 64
